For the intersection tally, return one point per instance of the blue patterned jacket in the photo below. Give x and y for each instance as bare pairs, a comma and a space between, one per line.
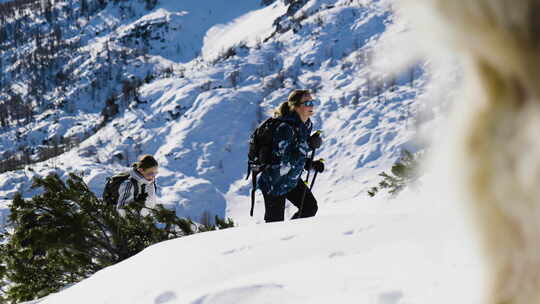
290, 151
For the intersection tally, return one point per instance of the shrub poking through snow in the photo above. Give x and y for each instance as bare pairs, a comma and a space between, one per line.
65, 234
403, 173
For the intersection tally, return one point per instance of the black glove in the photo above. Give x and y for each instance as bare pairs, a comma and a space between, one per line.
315, 141
317, 165
141, 198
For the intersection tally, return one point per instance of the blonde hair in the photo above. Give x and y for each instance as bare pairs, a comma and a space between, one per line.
498, 150
294, 100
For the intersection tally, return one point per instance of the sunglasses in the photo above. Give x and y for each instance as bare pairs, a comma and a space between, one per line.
309, 103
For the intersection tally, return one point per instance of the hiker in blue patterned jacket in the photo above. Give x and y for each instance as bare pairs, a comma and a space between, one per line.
291, 146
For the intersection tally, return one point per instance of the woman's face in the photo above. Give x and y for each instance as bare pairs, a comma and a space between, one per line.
149, 174
303, 110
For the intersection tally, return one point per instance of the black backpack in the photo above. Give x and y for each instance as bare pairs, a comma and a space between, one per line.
260, 150
110, 193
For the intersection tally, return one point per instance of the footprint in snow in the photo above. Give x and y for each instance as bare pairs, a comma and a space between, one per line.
267, 293
165, 297
363, 229
350, 232
290, 237
390, 297
235, 250
336, 254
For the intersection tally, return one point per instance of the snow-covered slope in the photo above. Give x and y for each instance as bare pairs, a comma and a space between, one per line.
238, 61
388, 255
197, 120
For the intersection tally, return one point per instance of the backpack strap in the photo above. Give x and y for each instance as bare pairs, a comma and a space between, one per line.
294, 127
135, 188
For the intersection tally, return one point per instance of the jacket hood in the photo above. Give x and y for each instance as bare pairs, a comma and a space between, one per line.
138, 177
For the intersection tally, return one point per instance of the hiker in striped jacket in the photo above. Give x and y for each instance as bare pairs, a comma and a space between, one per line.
142, 176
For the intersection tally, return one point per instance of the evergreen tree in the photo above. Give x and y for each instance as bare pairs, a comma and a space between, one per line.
66, 234
404, 172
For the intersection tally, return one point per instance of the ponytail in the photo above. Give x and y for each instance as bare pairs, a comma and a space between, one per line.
283, 109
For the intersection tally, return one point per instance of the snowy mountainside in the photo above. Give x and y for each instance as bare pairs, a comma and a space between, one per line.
69, 65
196, 117
387, 255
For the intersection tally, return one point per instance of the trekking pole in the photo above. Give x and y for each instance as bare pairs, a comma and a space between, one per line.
314, 177
310, 159
303, 198
312, 156
306, 183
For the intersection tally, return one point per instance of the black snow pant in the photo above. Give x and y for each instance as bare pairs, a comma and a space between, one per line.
275, 205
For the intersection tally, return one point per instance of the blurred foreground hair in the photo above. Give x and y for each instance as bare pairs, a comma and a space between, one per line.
498, 147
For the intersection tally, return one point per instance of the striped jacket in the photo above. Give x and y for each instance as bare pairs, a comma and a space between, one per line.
126, 193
